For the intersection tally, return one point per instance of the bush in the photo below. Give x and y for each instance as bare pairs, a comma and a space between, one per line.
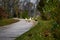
25, 14
3, 14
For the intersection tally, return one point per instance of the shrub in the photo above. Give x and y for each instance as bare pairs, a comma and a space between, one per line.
3, 14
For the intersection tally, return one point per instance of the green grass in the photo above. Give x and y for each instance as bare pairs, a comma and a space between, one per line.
7, 21
42, 31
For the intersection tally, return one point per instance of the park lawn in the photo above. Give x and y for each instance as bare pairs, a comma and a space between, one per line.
42, 31
4, 22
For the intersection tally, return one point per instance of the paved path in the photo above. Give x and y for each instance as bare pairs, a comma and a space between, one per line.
10, 32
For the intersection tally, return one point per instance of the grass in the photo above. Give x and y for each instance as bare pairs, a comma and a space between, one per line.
7, 21
42, 31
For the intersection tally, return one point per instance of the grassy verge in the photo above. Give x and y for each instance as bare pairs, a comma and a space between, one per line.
42, 31
7, 21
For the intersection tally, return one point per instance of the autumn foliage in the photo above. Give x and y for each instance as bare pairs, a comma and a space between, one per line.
3, 14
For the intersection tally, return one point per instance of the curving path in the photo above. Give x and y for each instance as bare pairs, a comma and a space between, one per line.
10, 32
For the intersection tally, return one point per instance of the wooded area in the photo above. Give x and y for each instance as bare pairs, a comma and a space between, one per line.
50, 9
16, 8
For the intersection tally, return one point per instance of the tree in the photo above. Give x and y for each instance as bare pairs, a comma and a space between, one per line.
40, 7
30, 5
16, 7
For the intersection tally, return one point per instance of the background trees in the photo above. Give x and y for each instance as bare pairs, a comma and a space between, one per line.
50, 9
10, 7
13, 9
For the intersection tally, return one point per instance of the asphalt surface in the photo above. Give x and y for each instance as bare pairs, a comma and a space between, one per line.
10, 32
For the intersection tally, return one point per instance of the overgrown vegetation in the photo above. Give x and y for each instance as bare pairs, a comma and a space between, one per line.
50, 9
